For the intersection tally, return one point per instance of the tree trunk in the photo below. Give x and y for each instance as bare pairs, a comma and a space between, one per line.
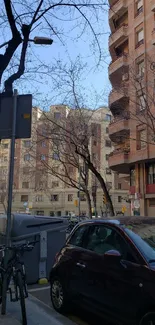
103, 185
89, 204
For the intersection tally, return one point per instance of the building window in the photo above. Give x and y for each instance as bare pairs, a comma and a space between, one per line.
109, 185
40, 213
27, 157
25, 185
132, 177
140, 67
94, 143
106, 157
27, 143
39, 198
108, 171
119, 186
108, 117
42, 157
152, 202
55, 156
26, 170
4, 172
3, 186
108, 143
5, 145
82, 197
5, 158
94, 156
139, 37
24, 198
151, 174
119, 199
58, 213
57, 115
141, 139
107, 130
54, 198
141, 102
43, 144
55, 184
70, 197
138, 7
52, 214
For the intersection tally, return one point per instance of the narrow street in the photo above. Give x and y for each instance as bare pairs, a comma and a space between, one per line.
42, 293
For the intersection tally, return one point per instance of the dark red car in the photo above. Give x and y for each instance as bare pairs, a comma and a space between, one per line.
108, 267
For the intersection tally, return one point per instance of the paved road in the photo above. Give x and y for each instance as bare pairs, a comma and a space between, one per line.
42, 293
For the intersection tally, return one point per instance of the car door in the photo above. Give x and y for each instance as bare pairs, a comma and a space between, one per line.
116, 286
77, 279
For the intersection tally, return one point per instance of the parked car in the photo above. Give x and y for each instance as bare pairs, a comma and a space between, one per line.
108, 266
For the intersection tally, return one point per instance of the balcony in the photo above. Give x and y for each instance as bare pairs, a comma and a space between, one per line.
119, 160
118, 125
119, 35
117, 8
120, 64
118, 98
153, 36
152, 5
150, 189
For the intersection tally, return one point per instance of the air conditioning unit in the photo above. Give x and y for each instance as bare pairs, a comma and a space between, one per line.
125, 77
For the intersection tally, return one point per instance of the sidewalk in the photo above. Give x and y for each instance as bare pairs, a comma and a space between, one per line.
37, 314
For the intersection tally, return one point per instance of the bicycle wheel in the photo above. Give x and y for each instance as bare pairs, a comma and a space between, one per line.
20, 286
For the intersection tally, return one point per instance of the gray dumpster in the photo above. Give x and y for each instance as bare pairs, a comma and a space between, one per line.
49, 231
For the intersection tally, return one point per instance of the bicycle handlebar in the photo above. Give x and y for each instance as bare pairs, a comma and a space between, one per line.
23, 247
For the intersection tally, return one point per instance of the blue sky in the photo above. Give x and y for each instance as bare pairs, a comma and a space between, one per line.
94, 82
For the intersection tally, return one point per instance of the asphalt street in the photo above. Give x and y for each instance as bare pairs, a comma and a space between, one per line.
80, 317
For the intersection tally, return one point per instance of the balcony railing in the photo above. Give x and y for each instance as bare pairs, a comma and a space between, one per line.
119, 124
118, 63
119, 95
119, 157
119, 34
117, 7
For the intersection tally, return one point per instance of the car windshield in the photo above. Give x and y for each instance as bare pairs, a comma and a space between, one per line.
143, 236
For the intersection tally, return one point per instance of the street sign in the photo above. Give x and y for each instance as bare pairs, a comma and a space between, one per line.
25, 204
76, 203
136, 204
124, 209
23, 116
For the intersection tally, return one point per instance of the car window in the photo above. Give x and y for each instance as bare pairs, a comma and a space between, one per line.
146, 245
102, 239
77, 237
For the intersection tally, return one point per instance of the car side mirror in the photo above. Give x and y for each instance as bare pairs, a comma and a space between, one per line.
112, 256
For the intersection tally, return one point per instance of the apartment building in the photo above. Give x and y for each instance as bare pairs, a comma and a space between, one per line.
37, 190
131, 73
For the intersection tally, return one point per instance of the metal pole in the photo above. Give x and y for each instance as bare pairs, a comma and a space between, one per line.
9, 206
79, 203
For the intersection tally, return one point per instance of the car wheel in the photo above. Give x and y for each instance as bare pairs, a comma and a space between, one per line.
148, 319
58, 295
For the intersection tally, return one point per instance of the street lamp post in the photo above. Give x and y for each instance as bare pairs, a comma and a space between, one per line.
41, 41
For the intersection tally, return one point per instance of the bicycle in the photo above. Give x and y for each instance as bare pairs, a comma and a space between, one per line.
15, 271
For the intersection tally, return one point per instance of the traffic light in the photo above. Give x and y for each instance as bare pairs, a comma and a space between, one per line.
104, 199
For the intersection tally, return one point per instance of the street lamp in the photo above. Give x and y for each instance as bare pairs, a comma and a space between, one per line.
36, 40
41, 41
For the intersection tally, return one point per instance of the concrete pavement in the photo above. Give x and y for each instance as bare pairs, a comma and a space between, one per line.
37, 314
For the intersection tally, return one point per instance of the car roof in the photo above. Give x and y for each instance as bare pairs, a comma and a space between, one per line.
123, 220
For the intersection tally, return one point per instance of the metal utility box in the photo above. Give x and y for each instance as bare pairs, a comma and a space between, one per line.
49, 231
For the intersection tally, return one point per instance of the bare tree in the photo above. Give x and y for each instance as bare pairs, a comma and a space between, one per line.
19, 20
